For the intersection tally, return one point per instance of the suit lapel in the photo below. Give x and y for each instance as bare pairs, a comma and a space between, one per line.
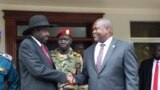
111, 49
92, 56
40, 52
150, 65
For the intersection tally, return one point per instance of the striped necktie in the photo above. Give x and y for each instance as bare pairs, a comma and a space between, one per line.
99, 57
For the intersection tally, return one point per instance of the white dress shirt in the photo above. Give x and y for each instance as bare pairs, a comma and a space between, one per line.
98, 47
39, 44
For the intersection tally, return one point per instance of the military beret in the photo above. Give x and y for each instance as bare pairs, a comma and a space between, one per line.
64, 31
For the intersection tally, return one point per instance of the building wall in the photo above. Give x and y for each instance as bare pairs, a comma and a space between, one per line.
120, 17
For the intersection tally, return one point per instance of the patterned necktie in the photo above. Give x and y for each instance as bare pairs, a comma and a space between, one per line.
44, 49
155, 82
99, 57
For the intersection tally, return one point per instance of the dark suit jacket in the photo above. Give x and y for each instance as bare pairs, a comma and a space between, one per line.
145, 74
119, 70
36, 72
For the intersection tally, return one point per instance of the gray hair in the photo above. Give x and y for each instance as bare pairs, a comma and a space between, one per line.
105, 23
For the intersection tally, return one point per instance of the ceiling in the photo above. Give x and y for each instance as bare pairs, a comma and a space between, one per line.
149, 4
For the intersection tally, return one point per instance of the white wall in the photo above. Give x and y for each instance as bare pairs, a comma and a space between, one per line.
120, 17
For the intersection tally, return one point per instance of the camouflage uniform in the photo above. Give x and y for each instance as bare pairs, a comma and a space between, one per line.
69, 63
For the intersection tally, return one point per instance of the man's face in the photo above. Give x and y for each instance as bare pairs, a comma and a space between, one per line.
42, 34
157, 53
99, 32
64, 42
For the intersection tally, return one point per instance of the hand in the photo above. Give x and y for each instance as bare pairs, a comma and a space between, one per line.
70, 79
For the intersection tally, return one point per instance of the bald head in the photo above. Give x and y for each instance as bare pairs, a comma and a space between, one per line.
103, 22
102, 30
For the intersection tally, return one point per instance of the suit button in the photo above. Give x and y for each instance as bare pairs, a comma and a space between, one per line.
98, 77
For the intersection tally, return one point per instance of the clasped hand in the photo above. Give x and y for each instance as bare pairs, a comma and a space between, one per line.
70, 79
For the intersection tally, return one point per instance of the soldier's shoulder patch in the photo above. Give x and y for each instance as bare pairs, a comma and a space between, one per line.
3, 70
7, 56
76, 54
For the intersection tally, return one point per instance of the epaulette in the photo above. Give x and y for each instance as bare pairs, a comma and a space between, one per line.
7, 56
76, 54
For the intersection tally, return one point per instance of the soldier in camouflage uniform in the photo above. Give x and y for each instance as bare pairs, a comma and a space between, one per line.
66, 59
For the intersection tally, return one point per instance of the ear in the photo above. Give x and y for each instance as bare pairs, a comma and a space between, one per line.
34, 31
71, 40
107, 29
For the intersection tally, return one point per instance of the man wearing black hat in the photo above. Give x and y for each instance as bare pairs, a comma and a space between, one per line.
37, 70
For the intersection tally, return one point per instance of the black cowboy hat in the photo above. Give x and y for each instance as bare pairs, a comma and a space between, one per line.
35, 22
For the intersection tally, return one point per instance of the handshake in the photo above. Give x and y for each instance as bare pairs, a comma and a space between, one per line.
70, 79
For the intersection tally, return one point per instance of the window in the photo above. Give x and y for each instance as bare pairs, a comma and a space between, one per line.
81, 23
145, 35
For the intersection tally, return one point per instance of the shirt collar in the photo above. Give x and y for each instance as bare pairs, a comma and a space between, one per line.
39, 44
108, 41
156, 61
